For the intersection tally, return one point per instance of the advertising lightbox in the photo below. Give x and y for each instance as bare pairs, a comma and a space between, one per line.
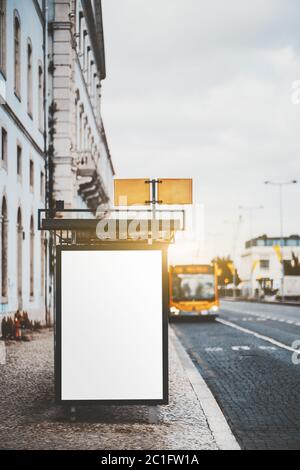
111, 325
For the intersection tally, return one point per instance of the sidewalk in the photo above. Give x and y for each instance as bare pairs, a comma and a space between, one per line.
30, 420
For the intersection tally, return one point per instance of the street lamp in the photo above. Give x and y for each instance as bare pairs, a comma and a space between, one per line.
234, 251
251, 210
281, 186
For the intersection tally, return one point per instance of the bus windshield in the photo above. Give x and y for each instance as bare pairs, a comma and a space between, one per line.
193, 287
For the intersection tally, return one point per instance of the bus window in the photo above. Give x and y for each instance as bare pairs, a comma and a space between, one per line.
193, 287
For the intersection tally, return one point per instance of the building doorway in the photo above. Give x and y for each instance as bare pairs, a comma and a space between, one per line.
20, 259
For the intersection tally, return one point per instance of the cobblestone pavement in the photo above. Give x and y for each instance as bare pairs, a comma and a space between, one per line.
255, 382
29, 419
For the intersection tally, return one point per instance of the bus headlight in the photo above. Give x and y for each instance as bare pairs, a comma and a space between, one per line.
214, 309
174, 311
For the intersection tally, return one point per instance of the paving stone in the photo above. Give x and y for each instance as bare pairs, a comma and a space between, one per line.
29, 419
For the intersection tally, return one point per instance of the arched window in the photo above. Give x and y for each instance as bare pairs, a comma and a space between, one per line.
17, 53
41, 96
31, 257
3, 36
20, 259
81, 128
4, 146
79, 32
29, 77
77, 118
84, 49
4, 250
98, 98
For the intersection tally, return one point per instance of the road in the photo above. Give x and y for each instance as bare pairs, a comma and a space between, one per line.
246, 359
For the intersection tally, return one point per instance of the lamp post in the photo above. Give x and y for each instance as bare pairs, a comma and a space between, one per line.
281, 186
234, 250
251, 210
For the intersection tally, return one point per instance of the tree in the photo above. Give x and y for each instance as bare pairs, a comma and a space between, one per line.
292, 268
226, 271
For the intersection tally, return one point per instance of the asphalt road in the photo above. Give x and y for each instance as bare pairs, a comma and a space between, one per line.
246, 359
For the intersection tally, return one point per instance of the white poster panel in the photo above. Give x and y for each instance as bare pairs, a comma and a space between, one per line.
111, 325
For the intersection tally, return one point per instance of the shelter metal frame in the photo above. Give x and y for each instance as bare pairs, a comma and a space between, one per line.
67, 236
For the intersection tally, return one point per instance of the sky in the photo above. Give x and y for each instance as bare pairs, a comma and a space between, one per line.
203, 89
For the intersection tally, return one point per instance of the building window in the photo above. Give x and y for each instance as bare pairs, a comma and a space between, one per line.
80, 31
3, 147
4, 250
17, 54
80, 137
292, 242
84, 51
77, 123
42, 183
19, 161
3, 36
98, 98
85, 134
88, 66
31, 174
31, 257
41, 97
95, 90
264, 264
29, 77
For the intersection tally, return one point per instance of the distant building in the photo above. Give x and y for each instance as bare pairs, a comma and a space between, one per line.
52, 139
261, 266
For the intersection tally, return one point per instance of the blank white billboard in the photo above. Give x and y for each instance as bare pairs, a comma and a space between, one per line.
111, 325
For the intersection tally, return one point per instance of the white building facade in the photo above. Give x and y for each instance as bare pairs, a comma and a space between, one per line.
52, 139
81, 162
22, 162
261, 267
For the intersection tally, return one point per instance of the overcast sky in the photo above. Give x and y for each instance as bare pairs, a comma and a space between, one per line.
203, 89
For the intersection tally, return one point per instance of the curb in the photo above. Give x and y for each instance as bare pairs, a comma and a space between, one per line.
264, 302
217, 423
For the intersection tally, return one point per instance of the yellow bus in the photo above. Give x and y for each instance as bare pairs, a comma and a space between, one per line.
194, 291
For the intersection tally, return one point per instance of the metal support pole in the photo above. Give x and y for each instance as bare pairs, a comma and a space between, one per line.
73, 414
153, 198
280, 186
234, 258
282, 242
153, 416
251, 220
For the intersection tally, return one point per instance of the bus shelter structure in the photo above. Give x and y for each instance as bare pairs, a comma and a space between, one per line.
111, 304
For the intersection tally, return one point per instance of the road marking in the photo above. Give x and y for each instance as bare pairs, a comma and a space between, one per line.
257, 335
214, 349
260, 317
241, 348
268, 348
217, 422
